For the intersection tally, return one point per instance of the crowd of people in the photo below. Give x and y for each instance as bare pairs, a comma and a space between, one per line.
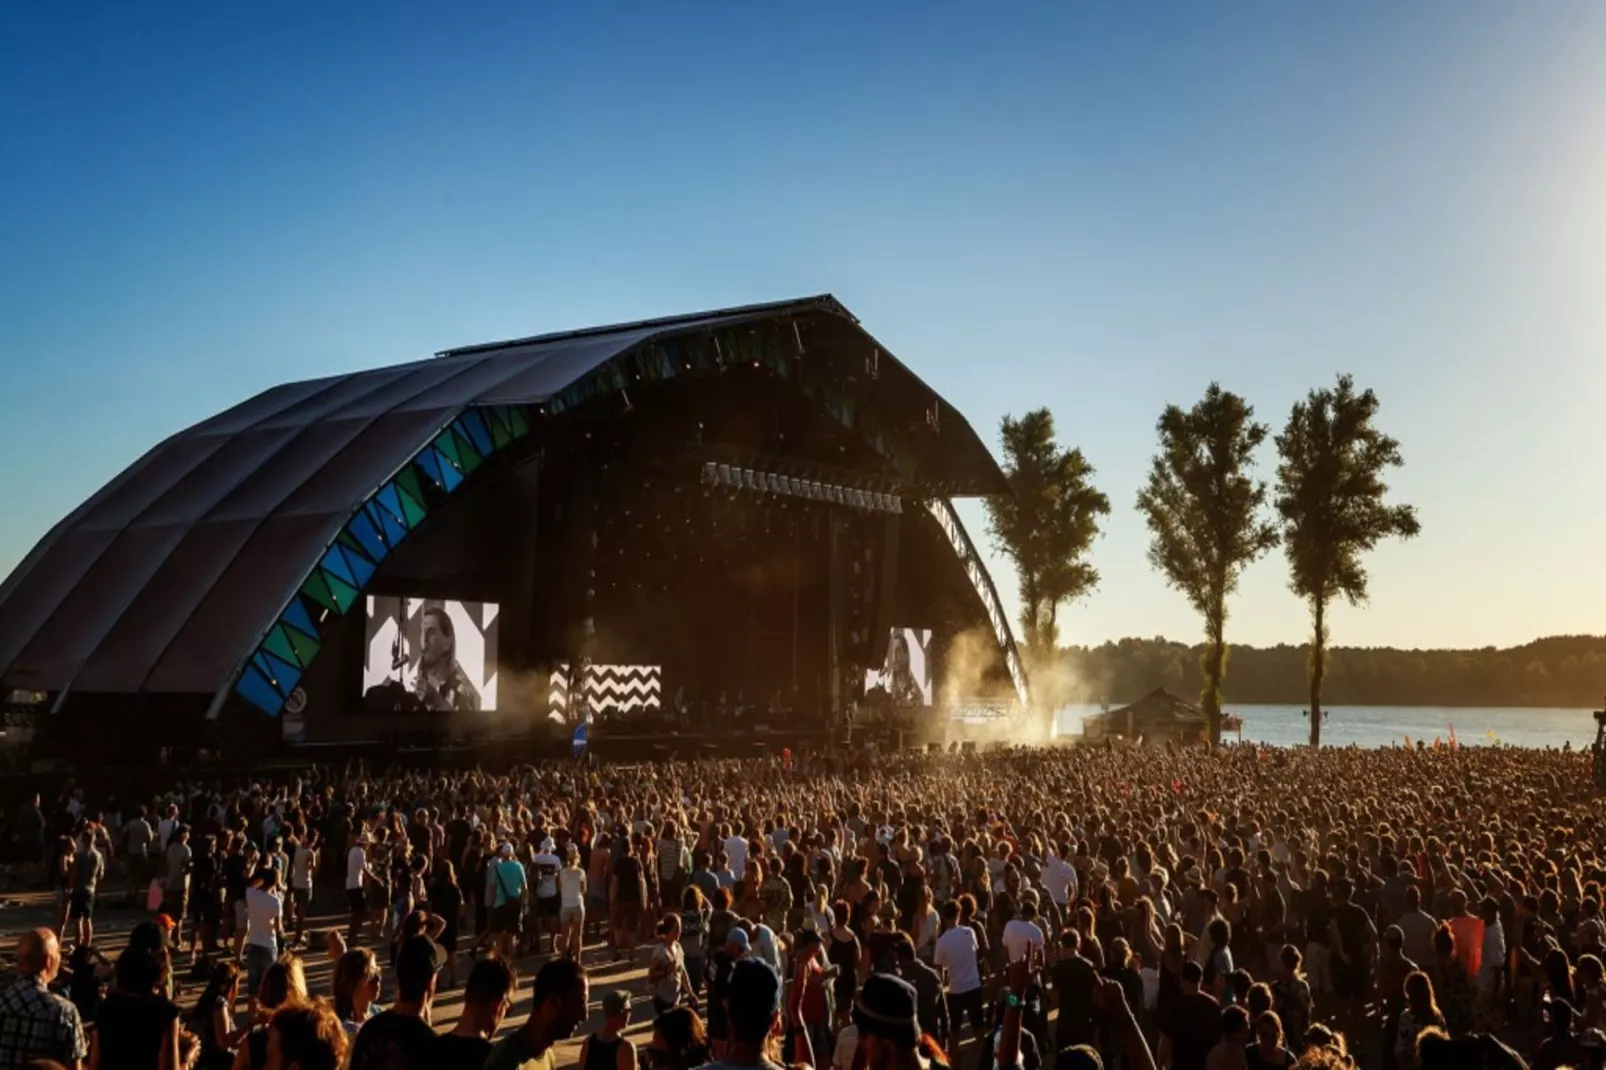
1082, 907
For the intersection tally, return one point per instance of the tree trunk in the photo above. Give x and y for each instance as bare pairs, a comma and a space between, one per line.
1215, 669
1318, 666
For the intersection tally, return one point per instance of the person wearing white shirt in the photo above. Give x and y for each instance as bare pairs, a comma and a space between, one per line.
1022, 934
356, 898
956, 957
1059, 876
263, 911
736, 853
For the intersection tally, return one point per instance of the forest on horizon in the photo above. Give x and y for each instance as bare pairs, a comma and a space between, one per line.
1568, 671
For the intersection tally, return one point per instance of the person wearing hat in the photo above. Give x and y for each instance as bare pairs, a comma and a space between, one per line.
507, 906
608, 1048
721, 967
753, 1012
401, 1038
544, 867
887, 1017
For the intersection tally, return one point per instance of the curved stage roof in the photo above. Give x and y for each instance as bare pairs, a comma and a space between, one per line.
195, 567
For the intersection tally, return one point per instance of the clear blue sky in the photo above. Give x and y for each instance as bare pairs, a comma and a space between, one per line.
1099, 207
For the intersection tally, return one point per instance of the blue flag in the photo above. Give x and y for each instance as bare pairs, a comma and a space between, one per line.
580, 739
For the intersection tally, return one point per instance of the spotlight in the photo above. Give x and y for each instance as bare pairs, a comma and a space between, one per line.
772, 483
725, 474
710, 472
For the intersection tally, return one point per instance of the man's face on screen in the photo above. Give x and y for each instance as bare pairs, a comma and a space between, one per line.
437, 644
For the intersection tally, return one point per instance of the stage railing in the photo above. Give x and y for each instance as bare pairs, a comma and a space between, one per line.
948, 519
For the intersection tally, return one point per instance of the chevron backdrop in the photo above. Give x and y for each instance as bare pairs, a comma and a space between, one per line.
607, 689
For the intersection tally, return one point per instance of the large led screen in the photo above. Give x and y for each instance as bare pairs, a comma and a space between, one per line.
429, 655
906, 671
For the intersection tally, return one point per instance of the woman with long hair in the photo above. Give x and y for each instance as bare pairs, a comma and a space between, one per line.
356, 988
1269, 1050
572, 885
1421, 1012
694, 915
446, 903
212, 1019
679, 1041
283, 985
1451, 985
136, 1026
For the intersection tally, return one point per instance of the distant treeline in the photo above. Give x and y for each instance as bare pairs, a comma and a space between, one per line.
1559, 671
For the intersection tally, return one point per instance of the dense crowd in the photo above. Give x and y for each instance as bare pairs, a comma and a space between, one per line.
1082, 907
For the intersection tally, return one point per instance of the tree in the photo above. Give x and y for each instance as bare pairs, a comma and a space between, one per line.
1330, 493
1204, 508
1047, 524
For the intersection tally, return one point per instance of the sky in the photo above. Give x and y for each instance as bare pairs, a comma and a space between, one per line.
1095, 207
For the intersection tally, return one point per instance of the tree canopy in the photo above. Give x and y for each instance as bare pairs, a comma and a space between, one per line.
1565, 671
1330, 498
1204, 512
1047, 525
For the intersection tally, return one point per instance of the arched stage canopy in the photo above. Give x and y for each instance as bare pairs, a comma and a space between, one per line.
213, 563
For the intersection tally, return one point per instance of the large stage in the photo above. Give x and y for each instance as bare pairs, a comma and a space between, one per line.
724, 529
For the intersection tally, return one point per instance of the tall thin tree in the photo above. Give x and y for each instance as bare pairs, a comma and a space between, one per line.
1204, 510
1047, 525
1330, 498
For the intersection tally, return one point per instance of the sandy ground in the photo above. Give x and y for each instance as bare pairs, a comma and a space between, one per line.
113, 920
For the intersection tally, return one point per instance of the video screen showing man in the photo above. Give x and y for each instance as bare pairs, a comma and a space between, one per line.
434, 656
905, 675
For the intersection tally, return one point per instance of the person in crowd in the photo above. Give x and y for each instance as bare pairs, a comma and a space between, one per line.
212, 1019
35, 1023
608, 1048
679, 1041
263, 926
89, 866
137, 1027
446, 903
667, 970
486, 999
357, 982
401, 1038
753, 1009
557, 1007
305, 1036
509, 883
572, 890
284, 985
1192, 1025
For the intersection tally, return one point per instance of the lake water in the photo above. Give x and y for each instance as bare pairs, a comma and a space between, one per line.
1381, 726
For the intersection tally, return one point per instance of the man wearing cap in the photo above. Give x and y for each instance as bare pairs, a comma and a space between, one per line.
401, 1038
753, 1008
356, 872
557, 1007
544, 866
507, 905
721, 967
608, 1048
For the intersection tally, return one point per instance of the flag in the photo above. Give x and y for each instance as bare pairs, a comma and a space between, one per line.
580, 739
1452, 735
1407, 742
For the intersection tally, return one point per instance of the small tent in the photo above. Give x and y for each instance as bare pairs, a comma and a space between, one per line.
1157, 717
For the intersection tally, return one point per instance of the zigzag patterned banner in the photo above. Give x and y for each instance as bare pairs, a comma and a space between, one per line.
609, 689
